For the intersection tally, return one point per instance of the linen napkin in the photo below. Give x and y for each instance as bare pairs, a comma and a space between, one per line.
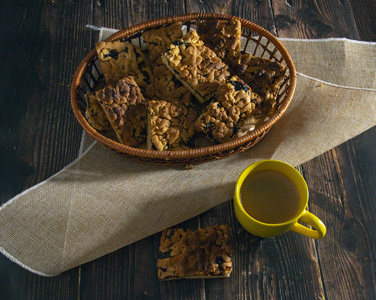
102, 202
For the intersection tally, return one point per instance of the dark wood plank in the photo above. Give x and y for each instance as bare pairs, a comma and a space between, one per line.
343, 275
115, 270
146, 284
39, 131
42, 43
122, 14
258, 12
364, 14
357, 166
341, 183
314, 19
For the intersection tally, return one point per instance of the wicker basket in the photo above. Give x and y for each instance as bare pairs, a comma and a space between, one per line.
263, 43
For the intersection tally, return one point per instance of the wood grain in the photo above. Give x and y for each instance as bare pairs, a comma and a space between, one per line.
42, 43
122, 14
314, 19
343, 252
353, 236
258, 12
364, 15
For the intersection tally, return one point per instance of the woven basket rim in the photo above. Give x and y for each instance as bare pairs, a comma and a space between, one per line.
191, 153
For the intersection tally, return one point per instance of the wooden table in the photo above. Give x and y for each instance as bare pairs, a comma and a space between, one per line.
42, 42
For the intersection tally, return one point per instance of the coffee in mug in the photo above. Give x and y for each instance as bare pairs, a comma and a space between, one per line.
271, 198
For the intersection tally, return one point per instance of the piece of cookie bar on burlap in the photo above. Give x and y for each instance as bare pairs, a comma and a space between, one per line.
196, 66
230, 112
95, 114
170, 125
263, 75
119, 59
221, 36
204, 253
125, 108
158, 40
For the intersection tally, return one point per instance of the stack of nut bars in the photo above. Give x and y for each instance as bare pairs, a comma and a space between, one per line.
182, 87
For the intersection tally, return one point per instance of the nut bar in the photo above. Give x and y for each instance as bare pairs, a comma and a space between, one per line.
204, 253
158, 40
95, 114
229, 112
263, 75
170, 125
221, 36
165, 85
120, 59
196, 66
125, 108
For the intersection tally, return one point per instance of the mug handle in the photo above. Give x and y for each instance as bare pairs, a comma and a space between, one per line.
315, 222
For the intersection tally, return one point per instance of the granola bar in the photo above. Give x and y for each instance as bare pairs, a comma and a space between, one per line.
233, 107
196, 66
165, 85
221, 36
263, 75
125, 108
170, 125
158, 40
120, 59
204, 253
95, 114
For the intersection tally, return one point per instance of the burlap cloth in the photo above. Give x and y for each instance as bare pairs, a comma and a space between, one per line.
102, 202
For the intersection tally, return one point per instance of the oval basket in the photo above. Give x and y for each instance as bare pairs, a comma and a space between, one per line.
262, 43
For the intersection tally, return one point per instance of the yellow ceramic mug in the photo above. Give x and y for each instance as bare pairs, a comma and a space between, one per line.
263, 229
